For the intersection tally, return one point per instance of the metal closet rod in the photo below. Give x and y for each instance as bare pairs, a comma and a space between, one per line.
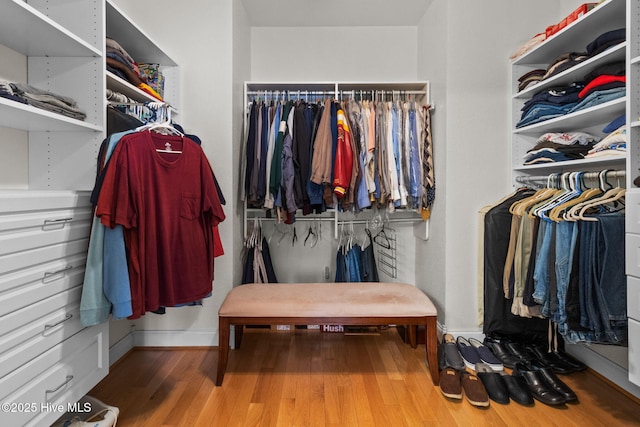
303, 218
391, 220
328, 92
523, 179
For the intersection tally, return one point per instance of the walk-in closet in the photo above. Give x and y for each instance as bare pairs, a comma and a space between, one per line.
456, 133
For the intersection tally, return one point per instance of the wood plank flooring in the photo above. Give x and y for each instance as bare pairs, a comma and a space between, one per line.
307, 378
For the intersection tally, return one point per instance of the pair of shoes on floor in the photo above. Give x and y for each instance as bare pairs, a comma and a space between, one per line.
502, 387
503, 354
449, 354
559, 361
453, 382
544, 385
473, 352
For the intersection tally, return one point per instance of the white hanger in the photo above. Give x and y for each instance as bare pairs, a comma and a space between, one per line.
164, 110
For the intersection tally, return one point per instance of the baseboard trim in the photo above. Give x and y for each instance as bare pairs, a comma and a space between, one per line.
121, 349
148, 338
611, 372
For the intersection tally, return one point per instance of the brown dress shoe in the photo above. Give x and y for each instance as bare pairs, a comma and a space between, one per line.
474, 390
450, 384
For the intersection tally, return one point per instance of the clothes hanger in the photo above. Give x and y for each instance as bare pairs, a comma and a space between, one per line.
313, 235
569, 192
556, 214
578, 211
382, 239
553, 183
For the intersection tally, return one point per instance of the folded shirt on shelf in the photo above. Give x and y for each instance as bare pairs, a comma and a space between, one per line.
560, 147
564, 138
531, 78
599, 97
615, 124
614, 139
49, 101
606, 40
564, 62
568, 60
6, 91
528, 45
603, 82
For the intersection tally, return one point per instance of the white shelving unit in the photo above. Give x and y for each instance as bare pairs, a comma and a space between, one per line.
47, 356
633, 192
143, 50
607, 16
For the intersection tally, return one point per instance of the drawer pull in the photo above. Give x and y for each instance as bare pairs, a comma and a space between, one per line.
51, 276
67, 381
55, 224
49, 326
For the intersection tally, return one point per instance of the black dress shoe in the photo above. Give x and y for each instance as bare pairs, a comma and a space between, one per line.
507, 359
517, 388
551, 359
519, 351
571, 361
493, 383
538, 385
556, 384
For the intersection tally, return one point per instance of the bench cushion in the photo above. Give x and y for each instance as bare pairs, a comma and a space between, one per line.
327, 300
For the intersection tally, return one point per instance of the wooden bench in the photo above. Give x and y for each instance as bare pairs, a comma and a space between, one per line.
369, 304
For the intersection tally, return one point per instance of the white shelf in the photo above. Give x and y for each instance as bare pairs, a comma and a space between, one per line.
31, 33
26, 117
122, 86
586, 118
577, 72
137, 44
609, 15
635, 60
635, 124
600, 162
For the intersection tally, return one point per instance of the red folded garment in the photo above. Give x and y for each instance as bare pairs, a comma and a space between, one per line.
599, 81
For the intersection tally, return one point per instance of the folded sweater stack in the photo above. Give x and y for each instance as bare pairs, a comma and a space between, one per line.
120, 63
40, 98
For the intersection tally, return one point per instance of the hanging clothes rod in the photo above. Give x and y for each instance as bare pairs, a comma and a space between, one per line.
526, 179
328, 92
290, 92
390, 221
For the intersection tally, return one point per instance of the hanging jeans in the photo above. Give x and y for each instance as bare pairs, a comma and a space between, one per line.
566, 236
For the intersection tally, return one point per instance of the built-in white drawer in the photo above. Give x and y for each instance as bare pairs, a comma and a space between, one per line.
632, 254
44, 231
25, 259
27, 333
634, 351
62, 374
29, 285
24, 201
633, 297
632, 211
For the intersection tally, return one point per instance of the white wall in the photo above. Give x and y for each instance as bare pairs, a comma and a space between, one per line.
467, 61
200, 40
333, 54
431, 273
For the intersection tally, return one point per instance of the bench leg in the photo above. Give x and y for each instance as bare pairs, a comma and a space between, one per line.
412, 329
223, 348
431, 344
239, 329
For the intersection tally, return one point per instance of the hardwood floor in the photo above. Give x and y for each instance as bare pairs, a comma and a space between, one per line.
307, 378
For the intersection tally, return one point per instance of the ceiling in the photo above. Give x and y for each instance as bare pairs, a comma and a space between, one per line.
335, 13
